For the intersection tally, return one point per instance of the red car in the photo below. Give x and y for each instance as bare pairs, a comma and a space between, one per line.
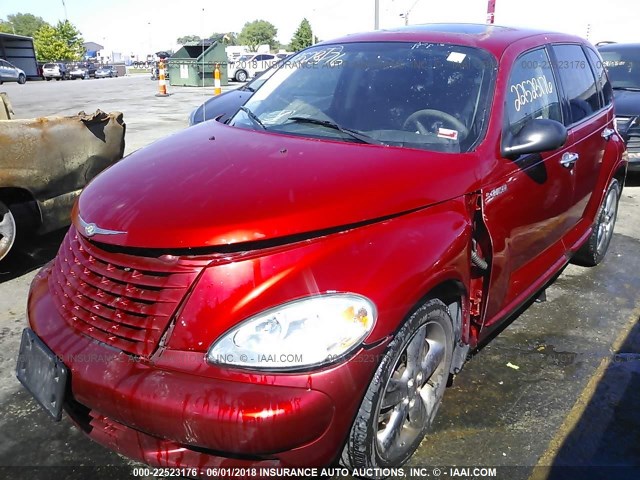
295, 287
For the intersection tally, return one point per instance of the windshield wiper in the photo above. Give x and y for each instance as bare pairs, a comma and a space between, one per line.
254, 118
628, 89
347, 131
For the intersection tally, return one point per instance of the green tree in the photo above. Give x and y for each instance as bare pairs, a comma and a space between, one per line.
187, 39
256, 33
303, 37
22, 24
227, 38
62, 42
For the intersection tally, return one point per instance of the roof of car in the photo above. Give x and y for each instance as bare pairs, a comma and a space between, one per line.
619, 46
495, 38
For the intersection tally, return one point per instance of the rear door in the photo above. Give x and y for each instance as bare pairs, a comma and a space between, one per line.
589, 123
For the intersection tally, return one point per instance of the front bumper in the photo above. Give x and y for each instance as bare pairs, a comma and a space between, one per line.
176, 410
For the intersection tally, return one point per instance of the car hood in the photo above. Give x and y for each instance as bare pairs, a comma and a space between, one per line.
212, 185
225, 104
627, 103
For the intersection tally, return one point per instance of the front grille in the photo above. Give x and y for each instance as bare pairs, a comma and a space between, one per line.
629, 127
122, 300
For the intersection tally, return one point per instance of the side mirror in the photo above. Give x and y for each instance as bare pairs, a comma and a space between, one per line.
537, 136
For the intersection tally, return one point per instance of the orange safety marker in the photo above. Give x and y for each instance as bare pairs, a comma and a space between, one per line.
162, 82
217, 90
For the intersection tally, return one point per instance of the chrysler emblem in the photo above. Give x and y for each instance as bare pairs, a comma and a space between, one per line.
91, 229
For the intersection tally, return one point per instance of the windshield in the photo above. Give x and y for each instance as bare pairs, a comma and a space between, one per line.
623, 66
418, 95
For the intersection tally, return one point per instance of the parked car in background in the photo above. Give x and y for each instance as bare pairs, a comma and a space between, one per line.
622, 61
10, 73
247, 65
106, 71
225, 105
84, 70
55, 70
296, 287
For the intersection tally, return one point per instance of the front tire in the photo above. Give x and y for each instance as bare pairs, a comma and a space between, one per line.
22, 79
405, 393
596, 246
8, 230
241, 76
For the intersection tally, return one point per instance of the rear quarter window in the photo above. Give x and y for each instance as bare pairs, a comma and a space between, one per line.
601, 77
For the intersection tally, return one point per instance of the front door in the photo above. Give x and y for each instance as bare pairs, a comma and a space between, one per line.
527, 209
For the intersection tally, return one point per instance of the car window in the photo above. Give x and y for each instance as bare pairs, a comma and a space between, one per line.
623, 66
578, 81
606, 92
532, 91
3, 63
431, 96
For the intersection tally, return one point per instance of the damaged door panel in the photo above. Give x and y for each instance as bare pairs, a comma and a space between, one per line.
47, 161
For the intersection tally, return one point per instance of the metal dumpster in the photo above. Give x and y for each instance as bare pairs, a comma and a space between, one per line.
193, 65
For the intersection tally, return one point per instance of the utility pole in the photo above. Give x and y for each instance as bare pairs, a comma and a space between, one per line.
405, 15
66, 17
491, 12
376, 22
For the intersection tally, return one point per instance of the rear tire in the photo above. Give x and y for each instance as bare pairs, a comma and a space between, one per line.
596, 246
405, 393
22, 79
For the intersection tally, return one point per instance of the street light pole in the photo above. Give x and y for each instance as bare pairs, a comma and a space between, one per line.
376, 22
66, 17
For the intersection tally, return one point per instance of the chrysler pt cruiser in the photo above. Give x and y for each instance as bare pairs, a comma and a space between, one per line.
296, 287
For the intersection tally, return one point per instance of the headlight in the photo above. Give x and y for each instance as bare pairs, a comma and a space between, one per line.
308, 332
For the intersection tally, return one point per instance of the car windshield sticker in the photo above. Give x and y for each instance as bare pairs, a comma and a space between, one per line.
447, 133
530, 90
331, 57
456, 57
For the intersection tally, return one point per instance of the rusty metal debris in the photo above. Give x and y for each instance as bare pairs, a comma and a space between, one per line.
45, 162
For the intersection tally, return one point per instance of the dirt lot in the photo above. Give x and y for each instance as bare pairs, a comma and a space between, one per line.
572, 400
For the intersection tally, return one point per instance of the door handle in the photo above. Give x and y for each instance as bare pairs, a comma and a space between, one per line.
569, 159
607, 132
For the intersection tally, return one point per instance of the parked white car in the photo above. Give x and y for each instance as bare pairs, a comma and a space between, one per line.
248, 65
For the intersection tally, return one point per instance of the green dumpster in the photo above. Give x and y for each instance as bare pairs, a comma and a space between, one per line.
193, 65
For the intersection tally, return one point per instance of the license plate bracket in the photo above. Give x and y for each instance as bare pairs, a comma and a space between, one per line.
42, 373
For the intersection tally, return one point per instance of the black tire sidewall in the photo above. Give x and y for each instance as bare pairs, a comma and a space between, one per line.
588, 255
360, 449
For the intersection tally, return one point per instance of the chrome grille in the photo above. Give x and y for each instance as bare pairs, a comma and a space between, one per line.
629, 128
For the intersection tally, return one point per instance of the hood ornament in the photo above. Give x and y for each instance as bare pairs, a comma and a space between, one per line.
91, 229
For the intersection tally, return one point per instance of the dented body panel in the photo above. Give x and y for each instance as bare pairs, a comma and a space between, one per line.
53, 158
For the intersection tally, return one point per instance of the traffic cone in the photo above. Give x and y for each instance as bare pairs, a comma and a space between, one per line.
162, 82
217, 90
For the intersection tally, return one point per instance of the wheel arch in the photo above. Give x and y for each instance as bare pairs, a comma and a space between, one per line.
16, 196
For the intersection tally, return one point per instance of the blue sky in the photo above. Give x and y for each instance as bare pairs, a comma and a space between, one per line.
141, 26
